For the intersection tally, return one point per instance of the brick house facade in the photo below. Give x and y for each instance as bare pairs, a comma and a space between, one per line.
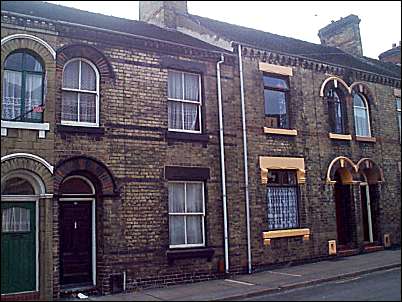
116, 174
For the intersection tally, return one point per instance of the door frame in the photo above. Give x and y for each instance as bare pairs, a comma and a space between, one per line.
28, 198
93, 226
368, 206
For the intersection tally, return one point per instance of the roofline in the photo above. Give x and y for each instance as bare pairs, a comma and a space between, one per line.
233, 42
115, 32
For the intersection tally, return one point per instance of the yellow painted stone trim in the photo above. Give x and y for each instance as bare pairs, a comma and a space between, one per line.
267, 236
346, 137
282, 163
292, 132
271, 68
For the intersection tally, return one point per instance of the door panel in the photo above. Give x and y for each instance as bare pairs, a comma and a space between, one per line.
18, 247
343, 213
365, 218
76, 242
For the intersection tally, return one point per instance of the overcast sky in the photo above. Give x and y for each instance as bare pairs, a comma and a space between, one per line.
380, 24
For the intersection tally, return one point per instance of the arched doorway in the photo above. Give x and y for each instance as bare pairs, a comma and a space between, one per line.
77, 231
344, 208
20, 192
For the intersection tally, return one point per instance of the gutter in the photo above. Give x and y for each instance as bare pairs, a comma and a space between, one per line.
222, 158
245, 160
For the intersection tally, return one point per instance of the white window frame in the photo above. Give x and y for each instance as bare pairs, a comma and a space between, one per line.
366, 108
398, 116
202, 214
79, 90
183, 101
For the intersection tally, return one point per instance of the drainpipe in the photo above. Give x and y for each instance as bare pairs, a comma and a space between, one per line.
223, 173
243, 116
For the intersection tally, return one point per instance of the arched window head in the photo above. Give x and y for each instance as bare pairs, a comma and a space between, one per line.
78, 185
23, 80
17, 186
336, 110
361, 115
80, 101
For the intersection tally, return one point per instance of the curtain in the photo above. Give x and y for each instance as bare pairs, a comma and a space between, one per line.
88, 77
190, 116
175, 88
194, 229
282, 207
69, 106
361, 121
175, 115
70, 75
15, 220
176, 198
87, 108
33, 95
191, 87
12, 82
176, 230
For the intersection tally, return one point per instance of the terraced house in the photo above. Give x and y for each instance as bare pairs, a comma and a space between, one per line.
178, 148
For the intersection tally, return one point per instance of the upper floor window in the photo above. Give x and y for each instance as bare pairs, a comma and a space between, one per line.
336, 110
361, 115
80, 101
282, 200
276, 95
186, 214
22, 88
184, 101
398, 112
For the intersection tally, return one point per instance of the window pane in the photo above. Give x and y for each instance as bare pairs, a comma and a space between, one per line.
194, 198
33, 95
14, 61
88, 77
31, 64
69, 107
194, 230
191, 117
361, 122
176, 230
191, 87
282, 207
275, 83
87, 108
175, 115
275, 107
175, 85
75, 186
176, 197
70, 75
358, 101
398, 104
274, 177
11, 103
15, 220
17, 186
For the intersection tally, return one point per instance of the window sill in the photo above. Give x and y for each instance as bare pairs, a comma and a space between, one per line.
290, 132
368, 139
184, 136
345, 137
204, 252
41, 127
80, 129
267, 236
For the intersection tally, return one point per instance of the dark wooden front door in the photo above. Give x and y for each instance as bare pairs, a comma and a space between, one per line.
343, 214
76, 242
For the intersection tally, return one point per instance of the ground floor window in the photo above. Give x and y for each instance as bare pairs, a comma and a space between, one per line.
282, 200
186, 214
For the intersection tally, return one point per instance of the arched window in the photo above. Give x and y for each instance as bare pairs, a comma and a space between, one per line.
22, 88
17, 186
336, 110
80, 103
361, 115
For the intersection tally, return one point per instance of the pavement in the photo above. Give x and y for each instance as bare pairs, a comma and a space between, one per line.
265, 282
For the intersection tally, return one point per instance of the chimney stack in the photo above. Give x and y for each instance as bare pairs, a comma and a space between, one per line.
392, 55
343, 34
162, 13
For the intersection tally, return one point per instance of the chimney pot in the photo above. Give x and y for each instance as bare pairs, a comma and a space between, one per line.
393, 45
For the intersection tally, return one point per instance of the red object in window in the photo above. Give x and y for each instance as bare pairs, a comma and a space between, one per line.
38, 108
